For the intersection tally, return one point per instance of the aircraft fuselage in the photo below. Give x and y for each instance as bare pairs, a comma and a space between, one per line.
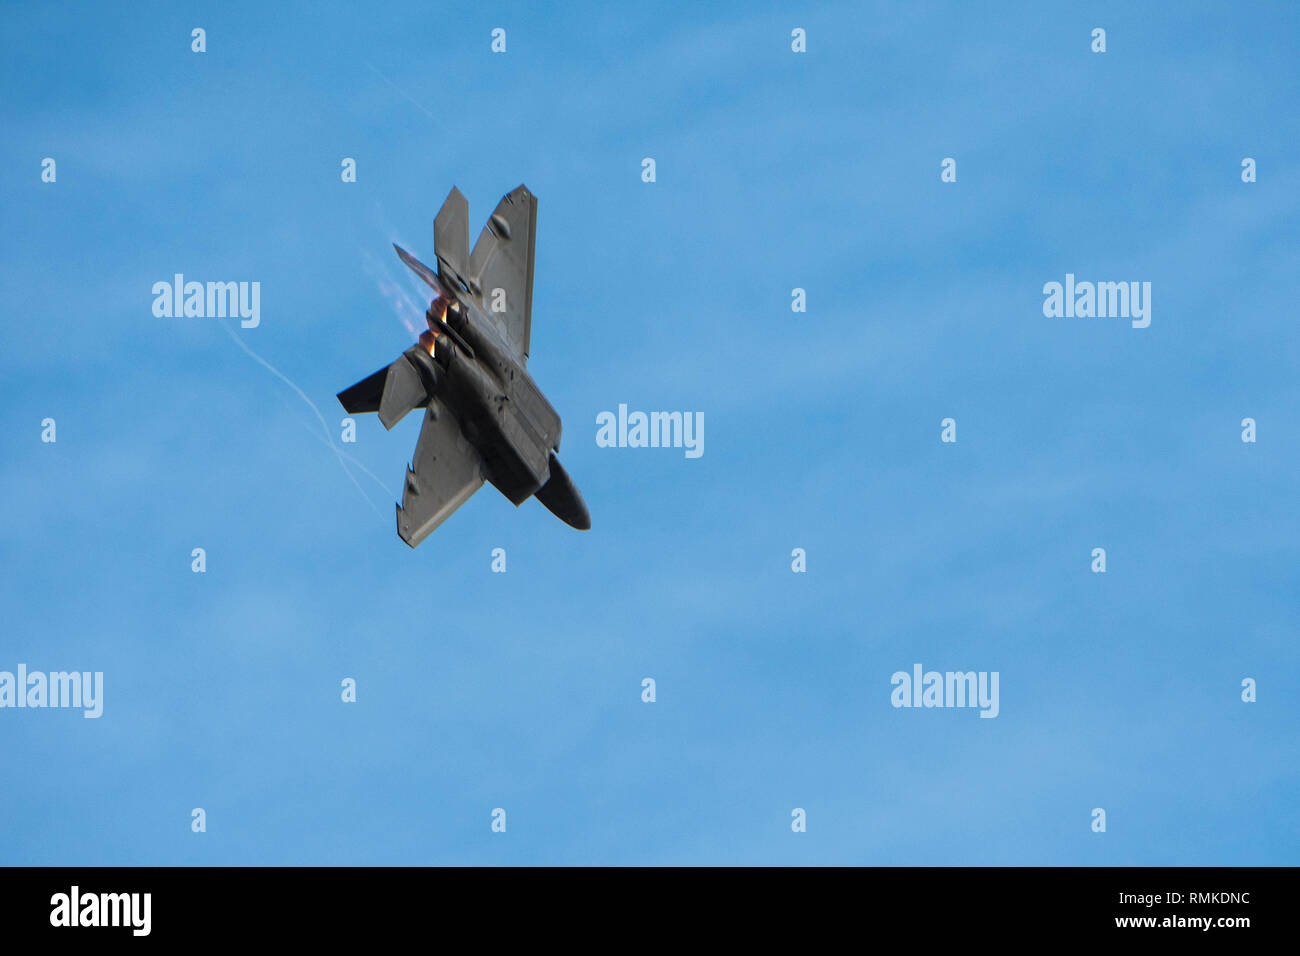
501, 410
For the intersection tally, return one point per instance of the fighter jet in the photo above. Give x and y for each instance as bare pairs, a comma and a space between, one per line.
485, 419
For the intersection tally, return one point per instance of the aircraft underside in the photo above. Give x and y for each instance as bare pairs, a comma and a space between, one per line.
484, 417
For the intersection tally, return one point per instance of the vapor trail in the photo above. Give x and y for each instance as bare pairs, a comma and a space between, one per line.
403, 92
329, 439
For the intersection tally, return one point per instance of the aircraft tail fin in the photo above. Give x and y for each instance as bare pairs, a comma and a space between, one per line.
501, 265
451, 236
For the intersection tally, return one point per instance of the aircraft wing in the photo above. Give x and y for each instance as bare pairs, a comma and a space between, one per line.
501, 266
448, 470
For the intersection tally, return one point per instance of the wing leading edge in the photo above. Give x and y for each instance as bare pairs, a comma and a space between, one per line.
447, 471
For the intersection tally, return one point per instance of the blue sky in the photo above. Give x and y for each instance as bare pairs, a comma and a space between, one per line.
522, 690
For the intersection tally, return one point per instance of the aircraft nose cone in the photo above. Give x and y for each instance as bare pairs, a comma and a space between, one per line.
562, 497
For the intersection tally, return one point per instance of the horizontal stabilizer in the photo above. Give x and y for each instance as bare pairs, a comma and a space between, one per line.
403, 391
365, 395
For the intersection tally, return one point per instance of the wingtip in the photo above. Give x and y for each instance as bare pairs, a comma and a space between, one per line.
402, 532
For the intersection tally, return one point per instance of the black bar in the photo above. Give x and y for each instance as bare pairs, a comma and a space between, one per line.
210, 905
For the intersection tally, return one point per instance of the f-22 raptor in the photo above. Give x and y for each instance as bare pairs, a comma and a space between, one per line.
485, 418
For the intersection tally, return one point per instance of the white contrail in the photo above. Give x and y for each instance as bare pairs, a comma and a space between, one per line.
377, 480
329, 439
418, 105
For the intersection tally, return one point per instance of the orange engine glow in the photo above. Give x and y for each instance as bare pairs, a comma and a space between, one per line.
438, 309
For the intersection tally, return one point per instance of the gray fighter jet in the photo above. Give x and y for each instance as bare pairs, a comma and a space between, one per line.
485, 418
